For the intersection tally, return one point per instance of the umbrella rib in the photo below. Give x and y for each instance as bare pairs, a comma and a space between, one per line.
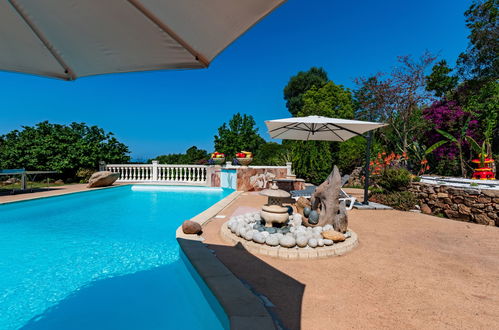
67, 69
153, 18
332, 131
287, 128
346, 129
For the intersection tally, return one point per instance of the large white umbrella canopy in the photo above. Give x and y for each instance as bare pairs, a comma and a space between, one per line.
68, 39
318, 128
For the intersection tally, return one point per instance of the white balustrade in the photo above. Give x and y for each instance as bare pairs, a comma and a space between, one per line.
174, 174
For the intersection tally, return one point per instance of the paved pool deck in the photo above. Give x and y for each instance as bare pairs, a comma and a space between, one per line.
410, 271
46, 192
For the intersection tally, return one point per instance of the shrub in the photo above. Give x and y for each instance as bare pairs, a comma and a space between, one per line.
394, 179
400, 200
84, 174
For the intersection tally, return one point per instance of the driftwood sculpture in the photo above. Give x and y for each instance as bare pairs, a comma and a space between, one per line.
325, 200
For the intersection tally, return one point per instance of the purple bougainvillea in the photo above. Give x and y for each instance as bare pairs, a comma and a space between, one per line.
448, 116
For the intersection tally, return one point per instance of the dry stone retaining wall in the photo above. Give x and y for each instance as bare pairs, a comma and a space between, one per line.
465, 204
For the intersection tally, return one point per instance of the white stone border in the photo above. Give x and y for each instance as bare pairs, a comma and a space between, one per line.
293, 253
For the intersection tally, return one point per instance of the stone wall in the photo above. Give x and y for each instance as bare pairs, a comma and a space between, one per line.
252, 178
255, 179
465, 204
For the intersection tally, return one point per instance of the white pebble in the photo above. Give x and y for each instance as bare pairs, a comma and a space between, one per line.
258, 238
312, 242
301, 240
272, 240
327, 227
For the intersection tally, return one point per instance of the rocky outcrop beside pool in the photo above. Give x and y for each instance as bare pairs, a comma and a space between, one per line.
465, 204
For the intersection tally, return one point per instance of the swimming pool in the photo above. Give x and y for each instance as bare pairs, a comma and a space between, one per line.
105, 259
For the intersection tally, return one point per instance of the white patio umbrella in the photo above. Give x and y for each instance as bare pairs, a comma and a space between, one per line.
69, 39
318, 128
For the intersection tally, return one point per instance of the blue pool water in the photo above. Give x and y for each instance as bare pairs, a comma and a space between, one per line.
105, 259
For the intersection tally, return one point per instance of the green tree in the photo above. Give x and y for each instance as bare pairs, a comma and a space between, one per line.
64, 148
193, 155
270, 153
313, 160
330, 100
440, 81
481, 60
301, 83
239, 134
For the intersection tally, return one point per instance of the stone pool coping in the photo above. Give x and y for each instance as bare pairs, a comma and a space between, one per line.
244, 310
54, 191
280, 252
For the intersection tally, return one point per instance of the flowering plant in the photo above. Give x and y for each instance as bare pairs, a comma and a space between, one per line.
384, 160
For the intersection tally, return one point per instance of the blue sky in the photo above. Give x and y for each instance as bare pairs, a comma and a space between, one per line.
149, 111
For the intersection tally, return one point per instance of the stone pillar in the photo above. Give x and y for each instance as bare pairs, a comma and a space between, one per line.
213, 176
155, 170
102, 165
289, 170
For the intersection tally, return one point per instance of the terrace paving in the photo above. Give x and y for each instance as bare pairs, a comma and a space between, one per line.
48, 192
409, 271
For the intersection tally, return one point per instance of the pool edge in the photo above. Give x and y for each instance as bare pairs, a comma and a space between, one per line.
243, 308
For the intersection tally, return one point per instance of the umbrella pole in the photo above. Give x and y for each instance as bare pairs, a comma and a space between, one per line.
366, 169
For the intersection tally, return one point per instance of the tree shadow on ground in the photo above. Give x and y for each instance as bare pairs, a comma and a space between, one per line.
284, 292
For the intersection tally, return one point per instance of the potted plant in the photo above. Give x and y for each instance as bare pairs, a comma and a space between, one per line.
484, 171
244, 158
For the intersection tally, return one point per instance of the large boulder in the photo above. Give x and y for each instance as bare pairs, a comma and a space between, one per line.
102, 179
191, 227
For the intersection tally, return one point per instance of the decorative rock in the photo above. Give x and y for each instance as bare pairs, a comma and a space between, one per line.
328, 242
317, 230
301, 204
272, 240
348, 234
301, 240
102, 179
312, 242
59, 181
306, 211
249, 235
290, 209
259, 238
327, 227
191, 227
287, 241
271, 230
265, 234
296, 221
333, 235
320, 242
313, 217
